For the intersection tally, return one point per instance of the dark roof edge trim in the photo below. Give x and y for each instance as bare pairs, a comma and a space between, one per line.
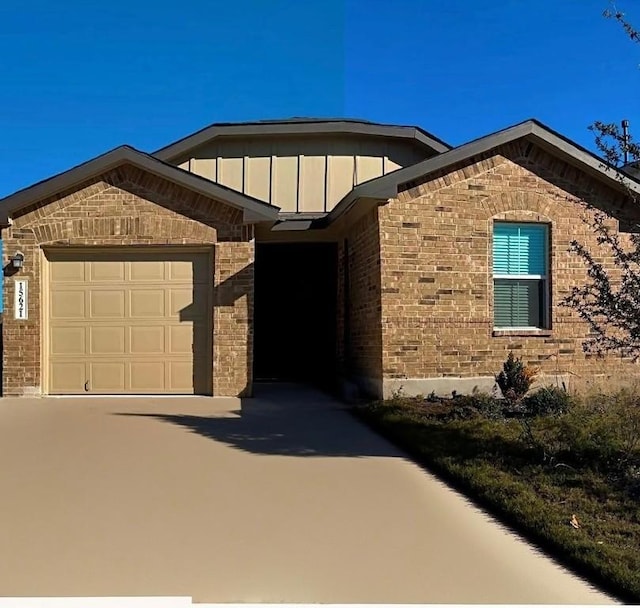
180, 147
253, 208
387, 186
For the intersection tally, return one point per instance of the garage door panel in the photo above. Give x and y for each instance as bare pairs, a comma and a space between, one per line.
188, 304
71, 272
147, 303
105, 270
67, 305
180, 301
188, 338
147, 270
68, 341
181, 270
180, 375
147, 376
106, 303
107, 377
148, 340
194, 270
133, 324
67, 376
181, 339
107, 340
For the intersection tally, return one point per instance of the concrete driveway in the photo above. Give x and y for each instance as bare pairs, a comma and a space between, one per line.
288, 500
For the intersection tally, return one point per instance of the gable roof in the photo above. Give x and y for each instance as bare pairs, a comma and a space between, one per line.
254, 209
387, 186
301, 126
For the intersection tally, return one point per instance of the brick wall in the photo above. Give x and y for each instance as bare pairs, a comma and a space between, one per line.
360, 355
233, 319
129, 207
437, 288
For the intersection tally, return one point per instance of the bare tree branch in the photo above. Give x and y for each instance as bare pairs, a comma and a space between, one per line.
609, 302
613, 13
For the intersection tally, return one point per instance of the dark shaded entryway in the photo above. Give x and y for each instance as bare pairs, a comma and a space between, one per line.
295, 312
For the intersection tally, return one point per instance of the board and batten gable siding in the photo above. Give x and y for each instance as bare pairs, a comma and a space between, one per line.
299, 174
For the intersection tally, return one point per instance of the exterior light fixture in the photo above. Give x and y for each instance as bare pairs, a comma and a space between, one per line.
17, 261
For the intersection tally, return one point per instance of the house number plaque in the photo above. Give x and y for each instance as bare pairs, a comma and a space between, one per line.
21, 299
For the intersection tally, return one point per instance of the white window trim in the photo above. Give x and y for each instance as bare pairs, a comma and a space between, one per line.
535, 277
518, 329
546, 312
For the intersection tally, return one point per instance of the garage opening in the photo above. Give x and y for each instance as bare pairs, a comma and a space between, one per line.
128, 321
295, 312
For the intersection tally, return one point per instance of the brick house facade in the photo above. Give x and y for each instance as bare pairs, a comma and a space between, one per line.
414, 278
432, 282
130, 208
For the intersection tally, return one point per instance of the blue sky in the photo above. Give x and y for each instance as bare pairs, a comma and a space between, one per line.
79, 78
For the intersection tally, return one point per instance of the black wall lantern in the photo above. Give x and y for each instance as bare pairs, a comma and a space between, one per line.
17, 261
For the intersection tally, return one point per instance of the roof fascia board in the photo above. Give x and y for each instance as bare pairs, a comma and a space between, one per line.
594, 165
293, 225
126, 155
251, 217
199, 138
385, 187
62, 181
192, 181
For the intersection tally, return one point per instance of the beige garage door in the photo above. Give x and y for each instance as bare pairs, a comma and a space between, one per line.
123, 322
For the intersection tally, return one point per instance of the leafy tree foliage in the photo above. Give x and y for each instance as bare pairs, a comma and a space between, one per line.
609, 302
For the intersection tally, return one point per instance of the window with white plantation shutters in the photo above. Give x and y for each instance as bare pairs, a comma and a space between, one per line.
520, 274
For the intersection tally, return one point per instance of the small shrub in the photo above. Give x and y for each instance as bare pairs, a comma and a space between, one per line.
515, 379
399, 397
547, 401
463, 407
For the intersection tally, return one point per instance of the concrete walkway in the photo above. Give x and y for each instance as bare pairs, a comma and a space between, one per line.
289, 499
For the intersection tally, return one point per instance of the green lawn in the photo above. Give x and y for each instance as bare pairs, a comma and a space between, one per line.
582, 463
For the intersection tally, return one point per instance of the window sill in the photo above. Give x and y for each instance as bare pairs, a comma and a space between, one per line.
526, 333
